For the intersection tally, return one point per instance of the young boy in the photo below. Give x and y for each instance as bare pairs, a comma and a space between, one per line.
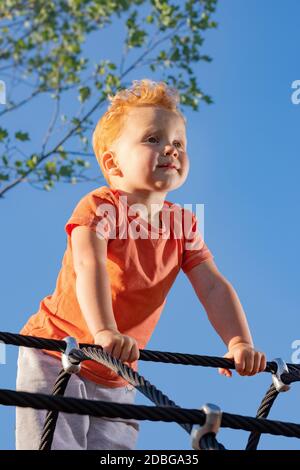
124, 251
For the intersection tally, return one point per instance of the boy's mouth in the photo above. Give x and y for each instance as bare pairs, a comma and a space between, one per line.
168, 165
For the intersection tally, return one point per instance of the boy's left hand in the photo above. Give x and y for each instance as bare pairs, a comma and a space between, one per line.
247, 360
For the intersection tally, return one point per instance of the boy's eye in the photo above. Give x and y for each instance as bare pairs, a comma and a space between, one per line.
152, 138
178, 144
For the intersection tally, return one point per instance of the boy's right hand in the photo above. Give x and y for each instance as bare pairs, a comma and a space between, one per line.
122, 347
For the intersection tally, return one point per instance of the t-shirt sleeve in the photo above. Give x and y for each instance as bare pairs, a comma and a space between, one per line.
195, 251
99, 214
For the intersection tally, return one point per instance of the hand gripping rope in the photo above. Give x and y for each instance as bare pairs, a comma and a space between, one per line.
202, 424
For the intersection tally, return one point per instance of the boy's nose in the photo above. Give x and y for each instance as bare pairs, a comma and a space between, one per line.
170, 150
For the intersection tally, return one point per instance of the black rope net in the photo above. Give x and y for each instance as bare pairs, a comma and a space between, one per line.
202, 424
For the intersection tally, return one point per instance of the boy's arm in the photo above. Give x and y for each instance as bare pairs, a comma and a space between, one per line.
227, 316
92, 283
94, 296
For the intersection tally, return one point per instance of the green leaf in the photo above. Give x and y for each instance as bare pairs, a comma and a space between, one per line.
65, 170
84, 93
79, 161
5, 160
23, 136
3, 134
32, 162
50, 168
48, 185
51, 52
149, 19
62, 154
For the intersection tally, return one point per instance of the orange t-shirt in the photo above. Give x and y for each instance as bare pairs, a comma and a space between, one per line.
142, 266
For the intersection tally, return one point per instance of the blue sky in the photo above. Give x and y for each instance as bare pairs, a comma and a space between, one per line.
244, 167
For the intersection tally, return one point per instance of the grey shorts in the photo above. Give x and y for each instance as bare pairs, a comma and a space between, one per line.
37, 372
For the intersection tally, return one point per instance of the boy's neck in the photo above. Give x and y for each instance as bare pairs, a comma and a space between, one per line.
153, 201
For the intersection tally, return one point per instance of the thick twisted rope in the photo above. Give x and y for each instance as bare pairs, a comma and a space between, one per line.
143, 385
102, 357
141, 412
126, 372
262, 412
95, 352
209, 442
51, 418
147, 355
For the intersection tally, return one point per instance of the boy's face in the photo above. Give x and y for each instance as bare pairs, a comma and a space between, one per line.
151, 136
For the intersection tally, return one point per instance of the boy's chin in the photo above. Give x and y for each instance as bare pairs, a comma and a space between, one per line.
162, 185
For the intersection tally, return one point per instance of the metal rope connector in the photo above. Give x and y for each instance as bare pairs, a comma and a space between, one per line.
276, 377
212, 424
70, 365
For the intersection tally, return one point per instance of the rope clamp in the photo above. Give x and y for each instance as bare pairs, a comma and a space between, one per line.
70, 365
212, 424
276, 377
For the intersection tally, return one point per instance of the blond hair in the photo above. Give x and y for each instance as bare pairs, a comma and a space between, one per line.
142, 92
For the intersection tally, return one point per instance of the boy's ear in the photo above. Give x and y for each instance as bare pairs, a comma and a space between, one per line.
110, 164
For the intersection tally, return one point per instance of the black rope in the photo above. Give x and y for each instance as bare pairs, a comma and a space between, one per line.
293, 375
126, 372
209, 442
149, 355
262, 412
32, 341
96, 352
137, 380
134, 378
52, 416
145, 354
176, 414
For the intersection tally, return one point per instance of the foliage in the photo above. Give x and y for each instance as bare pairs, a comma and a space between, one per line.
44, 48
